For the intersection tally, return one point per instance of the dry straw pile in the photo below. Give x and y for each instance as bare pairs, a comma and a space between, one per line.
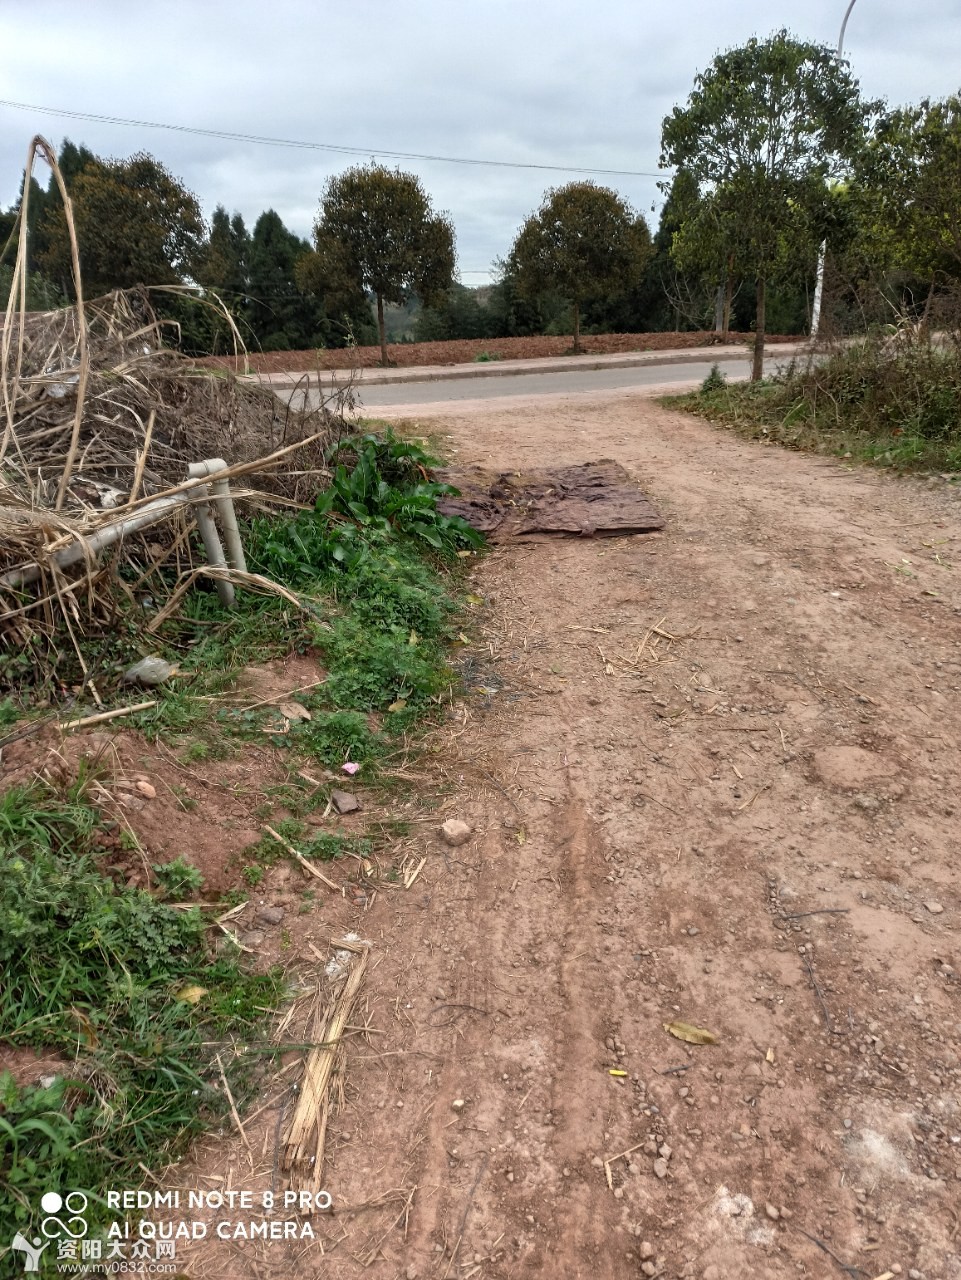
100, 419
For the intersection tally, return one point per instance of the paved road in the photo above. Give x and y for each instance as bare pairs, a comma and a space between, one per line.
575, 382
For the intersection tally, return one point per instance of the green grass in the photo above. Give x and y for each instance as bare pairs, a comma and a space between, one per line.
893, 406
96, 973
93, 968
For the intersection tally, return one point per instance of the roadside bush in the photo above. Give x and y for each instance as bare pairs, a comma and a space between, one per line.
895, 400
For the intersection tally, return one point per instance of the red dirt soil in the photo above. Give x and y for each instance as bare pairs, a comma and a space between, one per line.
708, 773
412, 354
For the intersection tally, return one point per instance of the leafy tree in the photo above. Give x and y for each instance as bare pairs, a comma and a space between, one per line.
225, 262
511, 312
582, 242
72, 161
136, 224
282, 315
907, 193
763, 130
458, 314
376, 231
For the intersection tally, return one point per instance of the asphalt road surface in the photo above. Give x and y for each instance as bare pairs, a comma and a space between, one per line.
461, 391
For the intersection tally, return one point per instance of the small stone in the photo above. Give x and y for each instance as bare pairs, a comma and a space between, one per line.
934, 907
345, 801
660, 1168
772, 1211
149, 671
711, 1273
455, 832
510, 1175
648, 1269
867, 802
597, 1162
647, 1250
269, 915
411, 1273
47, 1082
665, 1151
147, 789
458, 1104
253, 938
618, 1193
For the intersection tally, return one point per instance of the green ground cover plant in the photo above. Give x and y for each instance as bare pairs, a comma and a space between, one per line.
124, 992
888, 400
120, 986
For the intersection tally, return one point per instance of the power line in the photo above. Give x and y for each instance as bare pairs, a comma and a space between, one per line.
320, 146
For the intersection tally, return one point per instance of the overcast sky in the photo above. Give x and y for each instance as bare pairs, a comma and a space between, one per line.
533, 82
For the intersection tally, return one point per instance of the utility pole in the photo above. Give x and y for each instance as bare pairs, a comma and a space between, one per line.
819, 287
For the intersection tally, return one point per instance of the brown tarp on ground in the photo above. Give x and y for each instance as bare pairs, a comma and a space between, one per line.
596, 499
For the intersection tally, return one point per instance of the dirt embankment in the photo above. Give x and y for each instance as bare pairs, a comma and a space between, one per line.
412, 354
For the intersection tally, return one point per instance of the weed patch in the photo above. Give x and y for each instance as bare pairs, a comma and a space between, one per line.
895, 404
125, 990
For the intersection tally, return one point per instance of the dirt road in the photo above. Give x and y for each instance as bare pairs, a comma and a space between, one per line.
712, 780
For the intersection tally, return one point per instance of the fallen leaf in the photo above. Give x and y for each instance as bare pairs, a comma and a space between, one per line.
191, 994
413, 638
613, 1072
399, 705
475, 599
520, 835
293, 711
769, 1056
465, 555
693, 1035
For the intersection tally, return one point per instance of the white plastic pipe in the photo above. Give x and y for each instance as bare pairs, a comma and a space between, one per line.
225, 509
106, 537
212, 545
149, 514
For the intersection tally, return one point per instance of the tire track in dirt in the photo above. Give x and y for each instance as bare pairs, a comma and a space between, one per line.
652, 844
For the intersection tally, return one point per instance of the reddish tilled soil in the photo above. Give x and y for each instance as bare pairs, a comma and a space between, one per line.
410, 354
710, 778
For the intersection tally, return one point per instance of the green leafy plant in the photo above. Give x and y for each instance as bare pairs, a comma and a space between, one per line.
120, 986
178, 879
714, 381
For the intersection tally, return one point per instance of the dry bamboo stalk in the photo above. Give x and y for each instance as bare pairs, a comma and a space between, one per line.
302, 1153
107, 715
308, 866
142, 459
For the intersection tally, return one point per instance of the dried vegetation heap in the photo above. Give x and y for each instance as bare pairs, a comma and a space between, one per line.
99, 420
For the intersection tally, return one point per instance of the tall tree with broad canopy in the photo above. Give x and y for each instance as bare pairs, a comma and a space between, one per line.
136, 224
764, 129
907, 192
582, 241
376, 231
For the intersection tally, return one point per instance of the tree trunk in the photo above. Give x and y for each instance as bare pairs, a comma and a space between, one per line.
728, 298
577, 330
925, 320
382, 332
719, 310
757, 370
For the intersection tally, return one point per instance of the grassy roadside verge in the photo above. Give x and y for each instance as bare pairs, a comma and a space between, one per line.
891, 404
145, 1023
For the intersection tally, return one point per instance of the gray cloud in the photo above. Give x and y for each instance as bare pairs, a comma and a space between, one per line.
536, 83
